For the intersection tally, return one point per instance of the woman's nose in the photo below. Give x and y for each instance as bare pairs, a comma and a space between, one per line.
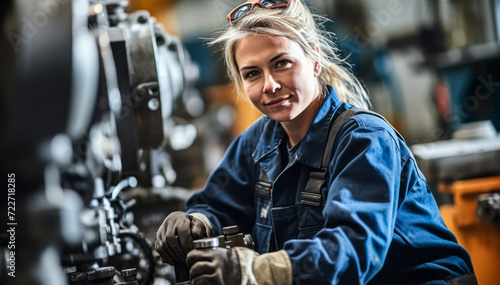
271, 85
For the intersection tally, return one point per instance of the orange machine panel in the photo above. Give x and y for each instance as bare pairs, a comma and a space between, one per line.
480, 239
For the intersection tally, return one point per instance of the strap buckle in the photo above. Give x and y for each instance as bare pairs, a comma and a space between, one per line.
263, 189
312, 193
311, 199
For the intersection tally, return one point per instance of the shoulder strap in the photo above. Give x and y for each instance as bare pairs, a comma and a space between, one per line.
312, 193
339, 122
264, 186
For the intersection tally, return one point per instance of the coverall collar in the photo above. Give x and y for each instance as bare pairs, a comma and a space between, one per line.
266, 151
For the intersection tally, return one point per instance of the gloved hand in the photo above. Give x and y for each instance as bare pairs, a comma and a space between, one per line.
174, 238
214, 266
238, 265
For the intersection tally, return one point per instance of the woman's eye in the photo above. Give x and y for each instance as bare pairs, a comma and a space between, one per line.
283, 63
251, 74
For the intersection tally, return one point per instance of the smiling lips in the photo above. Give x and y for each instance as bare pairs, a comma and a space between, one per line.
278, 102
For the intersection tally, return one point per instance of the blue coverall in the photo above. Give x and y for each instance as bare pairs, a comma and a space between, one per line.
379, 223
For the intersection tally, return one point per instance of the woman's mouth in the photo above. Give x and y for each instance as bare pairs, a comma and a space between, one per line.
278, 102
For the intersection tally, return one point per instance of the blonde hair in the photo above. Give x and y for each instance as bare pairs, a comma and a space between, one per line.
297, 23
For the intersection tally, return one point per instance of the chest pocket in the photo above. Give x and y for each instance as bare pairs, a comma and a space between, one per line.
298, 221
275, 225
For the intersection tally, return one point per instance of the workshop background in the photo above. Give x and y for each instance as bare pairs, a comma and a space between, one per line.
113, 112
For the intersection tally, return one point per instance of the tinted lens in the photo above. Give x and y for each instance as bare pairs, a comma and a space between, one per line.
270, 3
241, 12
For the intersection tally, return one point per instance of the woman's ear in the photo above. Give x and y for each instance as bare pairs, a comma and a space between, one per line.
317, 65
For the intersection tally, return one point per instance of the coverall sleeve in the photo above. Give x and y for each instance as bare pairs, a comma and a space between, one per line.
360, 211
228, 196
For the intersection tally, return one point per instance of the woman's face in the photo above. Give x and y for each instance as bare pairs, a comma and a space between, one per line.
277, 77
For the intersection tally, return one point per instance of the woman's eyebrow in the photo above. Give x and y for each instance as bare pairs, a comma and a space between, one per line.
278, 56
270, 61
247, 67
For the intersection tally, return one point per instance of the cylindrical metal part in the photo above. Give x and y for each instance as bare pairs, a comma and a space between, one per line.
129, 274
206, 243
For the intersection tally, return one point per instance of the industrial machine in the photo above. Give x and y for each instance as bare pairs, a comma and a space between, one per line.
467, 170
87, 94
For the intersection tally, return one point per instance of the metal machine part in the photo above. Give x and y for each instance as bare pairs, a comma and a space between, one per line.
457, 160
129, 277
154, 71
460, 159
488, 208
231, 237
99, 275
139, 34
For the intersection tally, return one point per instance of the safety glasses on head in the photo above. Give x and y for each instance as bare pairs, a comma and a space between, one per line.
247, 7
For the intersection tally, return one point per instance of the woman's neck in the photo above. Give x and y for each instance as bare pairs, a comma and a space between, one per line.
297, 128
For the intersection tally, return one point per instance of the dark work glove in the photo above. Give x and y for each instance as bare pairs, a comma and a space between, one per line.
174, 238
214, 266
239, 265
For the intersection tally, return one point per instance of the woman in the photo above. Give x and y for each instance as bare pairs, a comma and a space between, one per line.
374, 220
